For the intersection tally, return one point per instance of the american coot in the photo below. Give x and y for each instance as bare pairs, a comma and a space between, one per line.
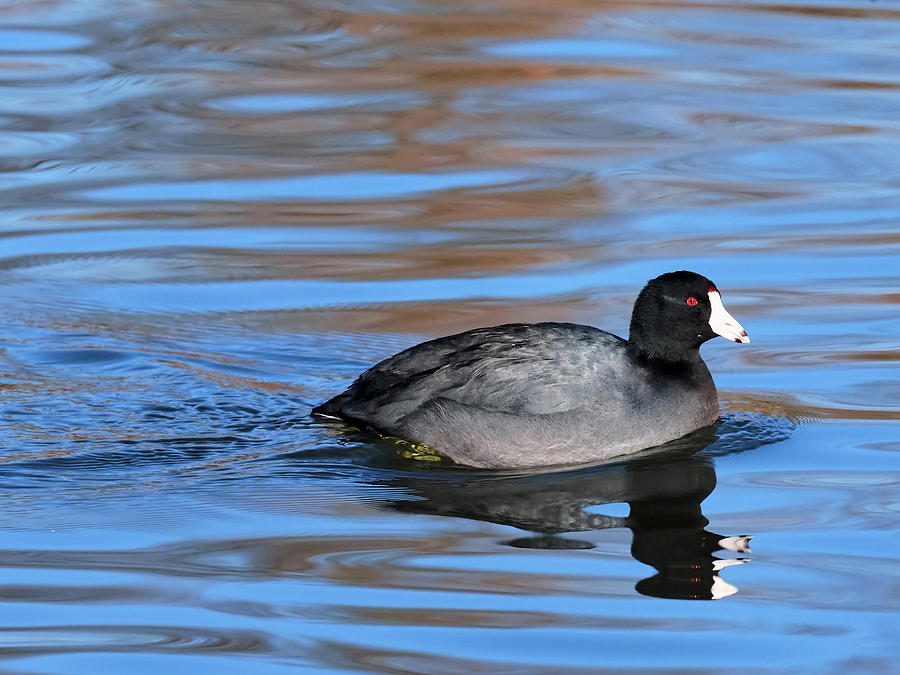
525, 395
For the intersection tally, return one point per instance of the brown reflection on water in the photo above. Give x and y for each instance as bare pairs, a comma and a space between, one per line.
439, 261
434, 319
785, 405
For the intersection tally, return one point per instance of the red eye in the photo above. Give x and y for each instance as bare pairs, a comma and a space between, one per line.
692, 301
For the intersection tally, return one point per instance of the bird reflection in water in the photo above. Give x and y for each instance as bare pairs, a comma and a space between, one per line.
664, 493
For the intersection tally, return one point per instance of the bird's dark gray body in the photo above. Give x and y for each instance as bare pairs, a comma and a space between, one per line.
530, 395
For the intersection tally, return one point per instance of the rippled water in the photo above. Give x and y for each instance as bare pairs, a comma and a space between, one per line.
216, 214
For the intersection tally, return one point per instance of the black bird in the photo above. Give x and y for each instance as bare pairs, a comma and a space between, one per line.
525, 395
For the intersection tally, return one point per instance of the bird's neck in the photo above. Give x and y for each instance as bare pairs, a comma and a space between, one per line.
667, 360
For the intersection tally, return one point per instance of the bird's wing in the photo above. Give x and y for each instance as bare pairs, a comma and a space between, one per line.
526, 369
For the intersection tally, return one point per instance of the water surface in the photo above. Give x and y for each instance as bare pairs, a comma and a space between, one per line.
216, 214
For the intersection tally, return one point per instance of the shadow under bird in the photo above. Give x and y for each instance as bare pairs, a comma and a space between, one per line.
664, 496
543, 394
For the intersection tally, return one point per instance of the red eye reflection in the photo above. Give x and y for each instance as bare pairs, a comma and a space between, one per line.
692, 301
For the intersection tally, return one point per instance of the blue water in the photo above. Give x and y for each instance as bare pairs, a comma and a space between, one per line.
216, 214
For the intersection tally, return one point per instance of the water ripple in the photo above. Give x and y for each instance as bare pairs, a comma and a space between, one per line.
284, 103
43, 640
29, 143
20, 40
38, 68
353, 186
